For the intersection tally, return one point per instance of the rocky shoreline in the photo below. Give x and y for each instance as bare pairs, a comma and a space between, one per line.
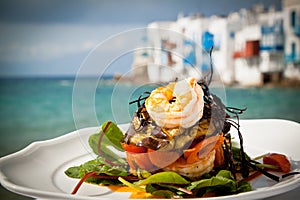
290, 83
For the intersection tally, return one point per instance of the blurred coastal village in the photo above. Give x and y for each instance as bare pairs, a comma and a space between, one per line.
250, 47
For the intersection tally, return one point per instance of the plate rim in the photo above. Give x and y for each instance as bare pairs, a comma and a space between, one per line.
27, 191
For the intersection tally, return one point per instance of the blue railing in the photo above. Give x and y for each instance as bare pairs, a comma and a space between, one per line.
292, 58
271, 48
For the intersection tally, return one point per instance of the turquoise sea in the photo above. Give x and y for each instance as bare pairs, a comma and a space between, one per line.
33, 109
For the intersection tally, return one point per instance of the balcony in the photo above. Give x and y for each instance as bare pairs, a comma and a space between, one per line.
292, 58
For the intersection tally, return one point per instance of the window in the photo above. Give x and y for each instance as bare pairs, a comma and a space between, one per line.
293, 19
293, 47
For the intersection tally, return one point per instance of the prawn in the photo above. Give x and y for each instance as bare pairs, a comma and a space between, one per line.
179, 104
194, 170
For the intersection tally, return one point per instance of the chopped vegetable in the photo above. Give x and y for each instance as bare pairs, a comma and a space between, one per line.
278, 160
203, 148
133, 148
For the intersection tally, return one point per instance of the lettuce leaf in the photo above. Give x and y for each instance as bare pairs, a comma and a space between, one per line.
113, 134
221, 184
110, 136
223, 178
99, 165
107, 162
164, 177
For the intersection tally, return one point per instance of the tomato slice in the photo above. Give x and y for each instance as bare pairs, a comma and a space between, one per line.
133, 148
278, 160
137, 157
203, 148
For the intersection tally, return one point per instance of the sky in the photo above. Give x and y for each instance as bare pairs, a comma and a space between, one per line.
54, 37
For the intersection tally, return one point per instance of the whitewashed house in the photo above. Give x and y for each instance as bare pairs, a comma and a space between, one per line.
259, 46
251, 47
291, 11
271, 45
223, 48
246, 49
175, 49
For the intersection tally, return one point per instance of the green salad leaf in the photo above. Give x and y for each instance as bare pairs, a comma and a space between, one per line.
223, 178
172, 185
113, 134
164, 194
164, 177
174, 191
222, 184
108, 162
99, 165
109, 136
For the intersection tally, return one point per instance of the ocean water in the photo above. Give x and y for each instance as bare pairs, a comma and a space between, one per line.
37, 109
33, 109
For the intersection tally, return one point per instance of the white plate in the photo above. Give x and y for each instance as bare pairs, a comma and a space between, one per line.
38, 170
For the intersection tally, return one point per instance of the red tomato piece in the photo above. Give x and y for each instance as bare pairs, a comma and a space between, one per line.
133, 148
137, 157
278, 160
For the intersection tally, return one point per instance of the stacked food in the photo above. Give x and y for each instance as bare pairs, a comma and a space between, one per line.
173, 131
178, 144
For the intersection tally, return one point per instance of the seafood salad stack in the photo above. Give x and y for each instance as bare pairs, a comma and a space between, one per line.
174, 131
177, 145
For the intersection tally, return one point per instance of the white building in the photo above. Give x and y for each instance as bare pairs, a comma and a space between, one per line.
223, 48
246, 56
259, 47
175, 49
181, 48
251, 47
291, 11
